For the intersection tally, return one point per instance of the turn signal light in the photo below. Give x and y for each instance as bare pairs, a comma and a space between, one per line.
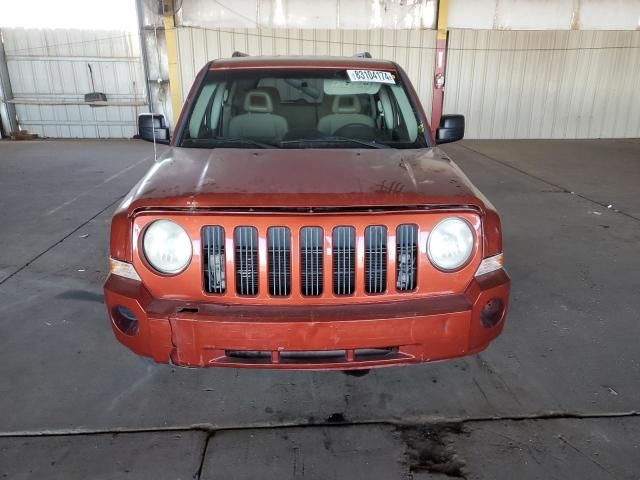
490, 264
123, 269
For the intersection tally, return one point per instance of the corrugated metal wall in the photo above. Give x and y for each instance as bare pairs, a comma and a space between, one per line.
508, 84
413, 49
49, 77
545, 84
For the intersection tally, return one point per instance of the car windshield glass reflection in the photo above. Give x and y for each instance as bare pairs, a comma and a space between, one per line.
306, 109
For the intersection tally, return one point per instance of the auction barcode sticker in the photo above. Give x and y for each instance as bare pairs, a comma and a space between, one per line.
370, 76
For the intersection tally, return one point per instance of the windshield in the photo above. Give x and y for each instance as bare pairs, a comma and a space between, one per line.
306, 108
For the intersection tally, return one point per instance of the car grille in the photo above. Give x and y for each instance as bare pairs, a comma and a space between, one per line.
406, 257
279, 255
302, 253
214, 259
344, 260
375, 255
311, 261
246, 245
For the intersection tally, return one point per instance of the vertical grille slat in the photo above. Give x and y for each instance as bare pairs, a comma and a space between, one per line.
279, 258
213, 254
311, 261
344, 260
375, 259
246, 246
406, 257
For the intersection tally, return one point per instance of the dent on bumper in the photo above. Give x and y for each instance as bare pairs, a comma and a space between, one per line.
416, 330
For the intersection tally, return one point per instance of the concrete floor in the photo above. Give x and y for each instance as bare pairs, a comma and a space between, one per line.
556, 396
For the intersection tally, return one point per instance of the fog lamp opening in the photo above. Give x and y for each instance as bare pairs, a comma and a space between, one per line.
125, 320
492, 312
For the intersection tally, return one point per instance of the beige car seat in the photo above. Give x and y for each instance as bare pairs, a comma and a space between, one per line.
346, 110
259, 123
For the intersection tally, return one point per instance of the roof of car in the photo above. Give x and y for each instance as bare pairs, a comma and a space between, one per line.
303, 61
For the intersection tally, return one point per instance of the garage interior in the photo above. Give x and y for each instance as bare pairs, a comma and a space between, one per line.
551, 95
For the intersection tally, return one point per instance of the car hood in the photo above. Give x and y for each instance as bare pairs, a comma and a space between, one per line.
302, 178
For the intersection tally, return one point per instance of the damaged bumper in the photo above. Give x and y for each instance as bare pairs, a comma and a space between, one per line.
322, 337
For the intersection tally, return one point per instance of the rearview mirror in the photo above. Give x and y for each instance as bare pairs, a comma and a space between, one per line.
153, 124
451, 129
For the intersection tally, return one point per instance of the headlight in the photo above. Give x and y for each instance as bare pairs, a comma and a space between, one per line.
450, 243
167, 247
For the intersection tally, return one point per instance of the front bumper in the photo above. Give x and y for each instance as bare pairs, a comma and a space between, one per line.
298, 337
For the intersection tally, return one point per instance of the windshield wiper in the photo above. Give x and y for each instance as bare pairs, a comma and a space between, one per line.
334, 139
221, 141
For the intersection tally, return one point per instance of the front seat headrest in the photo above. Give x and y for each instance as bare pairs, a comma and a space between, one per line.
346, 104
258, 102
273, 92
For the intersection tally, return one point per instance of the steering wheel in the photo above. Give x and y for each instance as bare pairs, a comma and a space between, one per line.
356, 130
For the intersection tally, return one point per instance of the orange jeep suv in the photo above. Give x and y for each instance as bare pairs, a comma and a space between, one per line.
304, 218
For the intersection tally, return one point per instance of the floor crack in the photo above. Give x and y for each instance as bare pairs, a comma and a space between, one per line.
210, 429
203, 455
588, 457
58, 242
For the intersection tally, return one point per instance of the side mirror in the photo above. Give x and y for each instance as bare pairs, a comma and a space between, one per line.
451, 129
153, 124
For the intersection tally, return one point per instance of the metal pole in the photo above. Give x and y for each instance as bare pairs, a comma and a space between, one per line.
143, 50
8, 118
440, 63
170, 37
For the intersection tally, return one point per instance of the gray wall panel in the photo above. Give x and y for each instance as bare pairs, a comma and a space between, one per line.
413, 49
545, 84
49, 77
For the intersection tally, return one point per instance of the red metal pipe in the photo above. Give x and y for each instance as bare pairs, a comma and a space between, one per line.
438, 82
